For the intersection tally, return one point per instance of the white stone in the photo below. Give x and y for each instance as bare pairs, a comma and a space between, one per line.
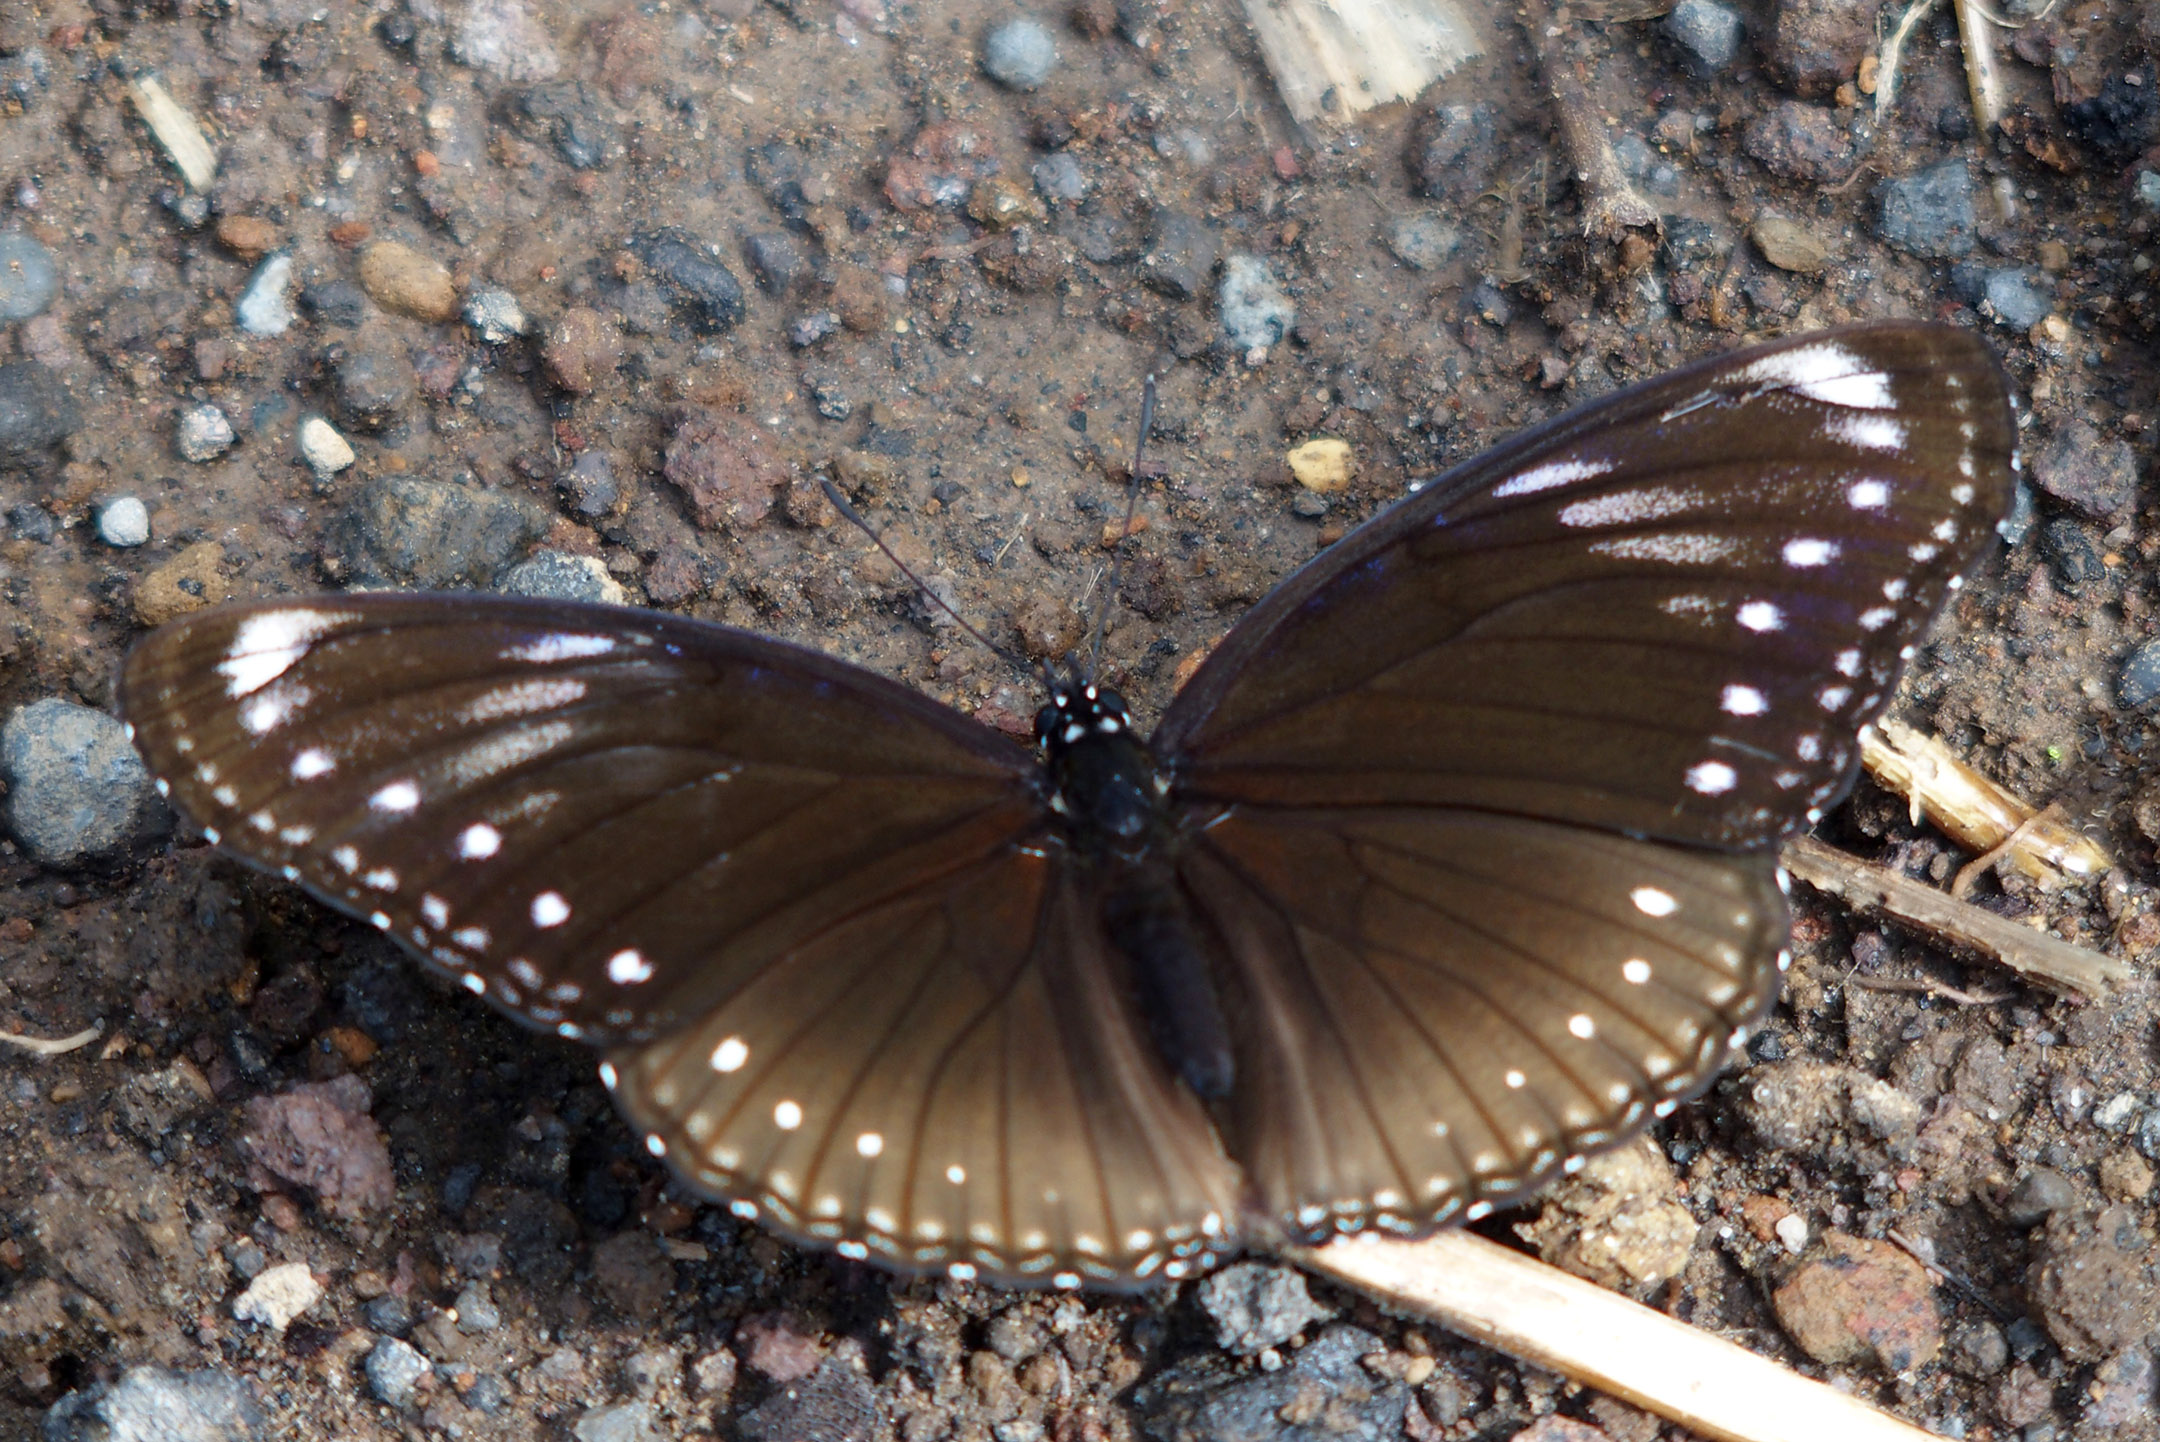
263, 308
203, 433
325, 451
123, 521
278, 1295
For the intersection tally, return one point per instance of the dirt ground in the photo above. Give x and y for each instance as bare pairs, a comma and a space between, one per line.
949, 292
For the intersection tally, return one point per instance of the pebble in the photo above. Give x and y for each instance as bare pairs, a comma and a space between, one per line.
1930, 212
28, 281
123, 521
582, 350
2090, 1284
476, 1310
1020, 53
808, 329
188, 581
395, 1370
2148, 189
1324, 464
2096, 478
1256, 312
264, 308
589, 487
1452, 152
1861, 1301
318, 1135
2120, 1396
2038, 1195
1179, 256
495, 315
388, 1314
502, 38
566, 113
623, 1422
374, 381
158, 1403
1803, 142
2072, 559
560, 576
2115, 1114
725, 467
1325, 1384
278, 1295
435, 534
1059, 179
325, 451
1422, 240
1706, 32
248, 236
202, 434
695, 282
828, 392
75, 787
1789, 245
1815, 46
778, 261
2147, 1133
335, 302
2016, 297
1618, 1221
36, 411
401, 279
1256, 1305
837, 1403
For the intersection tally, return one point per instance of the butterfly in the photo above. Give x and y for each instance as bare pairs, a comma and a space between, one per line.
1453, 862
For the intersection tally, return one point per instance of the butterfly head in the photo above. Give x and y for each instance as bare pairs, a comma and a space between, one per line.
1104, 779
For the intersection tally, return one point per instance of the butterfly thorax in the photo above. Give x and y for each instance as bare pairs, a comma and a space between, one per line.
1103, 778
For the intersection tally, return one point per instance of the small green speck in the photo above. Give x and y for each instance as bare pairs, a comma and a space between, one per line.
2054, 753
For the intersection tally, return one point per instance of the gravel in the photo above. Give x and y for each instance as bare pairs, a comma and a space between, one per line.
395, 1370
203, 434
28, 281
264, 307
153, 1404
1020, 53
1256, 312
1930, 212
76, 789
1707, 33
123, 521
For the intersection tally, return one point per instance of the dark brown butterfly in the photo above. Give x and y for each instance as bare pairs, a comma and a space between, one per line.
1453, 863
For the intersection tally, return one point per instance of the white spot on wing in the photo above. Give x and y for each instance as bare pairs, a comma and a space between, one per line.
1808, 551
1635, 970
560, 647
312, 763
502, 750
522, 698
549, 909
787, 1116
269, 642
629, 968
1744, 701
272, 707
1675, 548
479, 841
869, 1144
1867, 495
1711, 778
1626, 508
1651, 901
1546, 477
730, 1055
1828, 373
1761, 616
398, 796
1869, 432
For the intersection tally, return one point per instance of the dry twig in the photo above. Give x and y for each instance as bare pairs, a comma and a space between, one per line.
1611, 206
2034, 955
39, 1046
1517, 1305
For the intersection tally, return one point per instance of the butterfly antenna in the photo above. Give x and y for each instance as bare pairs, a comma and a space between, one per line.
1132, 504
861, 523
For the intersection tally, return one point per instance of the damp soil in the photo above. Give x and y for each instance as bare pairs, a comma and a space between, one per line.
970, 372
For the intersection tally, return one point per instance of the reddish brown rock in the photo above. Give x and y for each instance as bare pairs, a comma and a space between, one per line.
320, 1136
777, 1348
581, 351
726, 470
1858, 1301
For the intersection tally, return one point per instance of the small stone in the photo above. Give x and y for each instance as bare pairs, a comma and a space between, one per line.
76, 790
1059, 179
1179, 256
1452, 153
777, 261
36, 411
1707, 32
248, 236
2146, 1134
2148, 189
401, 279
2017, 298
2091, 1283
696, 283
1325, 464
123, 521
2038, 1195
335, 302
1815, 46
2116, 1113
264, 309
2094, 477
2073, 559
434, 534
1256, 1305
1256, 312
189, 581
1617, 1222
325, 451
567, 114
1977, 1349
1792, 1232
502, 38
1020, 53
155, 1404
837, 1403
725, 467
476, 1310
1789, 245
2125, 1177
388, 1314
28, 280
1422, 240
2138, 682
807, 330
624, 1422
318, 1135
395, 1371
375, 382
203, 434
495, 315
1860, 1301
1803, 142
278, 1295
559, 576
1930, 212
1489, 303
828, 392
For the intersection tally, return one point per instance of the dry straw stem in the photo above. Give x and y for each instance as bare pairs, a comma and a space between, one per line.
1538, 1314
1975, 812
39, 1046
176, 130
1334, 59
1611, 207
2034, 955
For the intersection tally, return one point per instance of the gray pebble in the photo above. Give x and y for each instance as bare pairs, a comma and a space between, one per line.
495, 315
155, 1403
624, 1422
434, 534
28, 281
807, 330
564, 111
335, 302
2070, 554
558, 576
203, 434
489, 1395
476, 1310
36, 412
375, 382
2147, 1134
1020, 54
1489, 303
394, 1372
389, 1314
694, 281
2016, 297
264, 308
1978, 1349
589, 488
2096, 478
2039, 1194
1059, 180
502, 38
1020, 1429
778, 261
1422, 240
1179, 256
1930, 212
1202, 1399
1256, 312
76, 788
123, 521
1709, 33
2114, 1114
829, 394
1256, 1306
